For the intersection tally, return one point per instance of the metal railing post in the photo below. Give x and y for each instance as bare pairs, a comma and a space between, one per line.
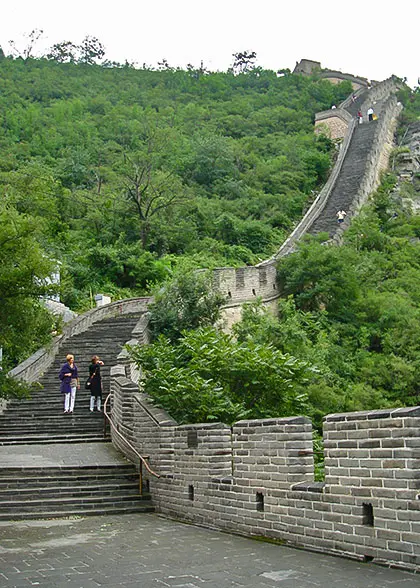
142, 459
141, 478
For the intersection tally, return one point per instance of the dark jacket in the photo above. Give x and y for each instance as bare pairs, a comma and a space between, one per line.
65, 380
95, 378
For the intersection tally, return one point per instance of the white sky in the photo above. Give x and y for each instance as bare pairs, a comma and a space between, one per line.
372, 39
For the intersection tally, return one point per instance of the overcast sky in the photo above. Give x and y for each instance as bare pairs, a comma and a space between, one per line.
372, 39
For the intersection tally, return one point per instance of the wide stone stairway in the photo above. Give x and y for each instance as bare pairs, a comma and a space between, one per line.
53, 464
349, 179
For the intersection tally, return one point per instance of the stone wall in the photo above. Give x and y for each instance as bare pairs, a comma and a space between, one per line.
377, 160
334, 79
376, 163
33, 367
256, 478
246, 283
333, 123
307, 67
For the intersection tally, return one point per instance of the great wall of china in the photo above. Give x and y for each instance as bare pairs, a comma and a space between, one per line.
257, 477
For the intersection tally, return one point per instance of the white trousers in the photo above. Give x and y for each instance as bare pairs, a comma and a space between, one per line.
69, 400
92, 402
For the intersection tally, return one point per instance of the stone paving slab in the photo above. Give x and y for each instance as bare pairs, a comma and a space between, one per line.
60, 454
148, 551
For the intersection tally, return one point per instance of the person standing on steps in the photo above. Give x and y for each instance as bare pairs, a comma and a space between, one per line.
69, 383
360, 117
370, 113
95, 383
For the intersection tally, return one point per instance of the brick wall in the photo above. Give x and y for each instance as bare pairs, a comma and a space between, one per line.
332, 126
256, 478
246, 283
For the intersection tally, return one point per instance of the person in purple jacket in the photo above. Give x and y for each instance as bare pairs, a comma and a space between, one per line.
69, 383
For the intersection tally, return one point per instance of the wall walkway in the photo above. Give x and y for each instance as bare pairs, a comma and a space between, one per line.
257, 478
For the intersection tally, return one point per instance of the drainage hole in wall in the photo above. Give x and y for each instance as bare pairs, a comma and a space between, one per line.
367, 558
368, 514
191, 492
260, 501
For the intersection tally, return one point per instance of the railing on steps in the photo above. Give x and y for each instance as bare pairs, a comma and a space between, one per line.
142, 458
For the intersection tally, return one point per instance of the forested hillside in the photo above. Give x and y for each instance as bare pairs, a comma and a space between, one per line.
121, 175
117, 173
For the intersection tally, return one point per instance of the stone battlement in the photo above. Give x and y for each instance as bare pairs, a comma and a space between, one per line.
257, 478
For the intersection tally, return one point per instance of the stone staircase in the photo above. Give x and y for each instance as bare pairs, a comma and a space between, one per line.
53, 464
353, 169
53, 492
348, 181
40, 419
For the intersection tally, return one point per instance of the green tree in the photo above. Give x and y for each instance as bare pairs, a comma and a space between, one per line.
185, 302
208, 376
91, 50
63, 52
31, 39
243, 61
24, 277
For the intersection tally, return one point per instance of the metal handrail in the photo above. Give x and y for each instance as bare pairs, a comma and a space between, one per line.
142, 459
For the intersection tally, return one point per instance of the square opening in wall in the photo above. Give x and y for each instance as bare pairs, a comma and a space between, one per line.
191, 492
192, 439
260, 501
368, 515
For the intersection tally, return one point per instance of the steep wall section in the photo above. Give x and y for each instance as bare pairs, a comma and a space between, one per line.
32, 368
363, 155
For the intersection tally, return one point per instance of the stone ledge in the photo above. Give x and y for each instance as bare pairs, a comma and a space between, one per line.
308, 487
299, 420
393, 413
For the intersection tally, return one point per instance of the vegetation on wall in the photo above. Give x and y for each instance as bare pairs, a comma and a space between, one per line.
345, 339
122, 175
124, 172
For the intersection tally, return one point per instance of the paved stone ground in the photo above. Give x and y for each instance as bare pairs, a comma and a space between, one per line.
147, 551
60, 454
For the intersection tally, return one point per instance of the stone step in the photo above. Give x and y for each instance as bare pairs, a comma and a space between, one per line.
15, 483
39, 472
348, 181
58, 438
51, 432
122, 508
63, 504
56, 409
73, 491
40, 419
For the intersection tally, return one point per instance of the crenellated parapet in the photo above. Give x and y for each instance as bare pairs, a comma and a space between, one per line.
256, 478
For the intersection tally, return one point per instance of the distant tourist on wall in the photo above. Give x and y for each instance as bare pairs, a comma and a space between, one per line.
360, 116
353, 98
341, 214
333, 106
370, 113
69, 383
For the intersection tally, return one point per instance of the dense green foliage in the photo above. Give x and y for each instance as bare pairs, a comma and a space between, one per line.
24, 271
353, 311
186, 301
208, 376
347, 332
122, 175
124, 172
411, 113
